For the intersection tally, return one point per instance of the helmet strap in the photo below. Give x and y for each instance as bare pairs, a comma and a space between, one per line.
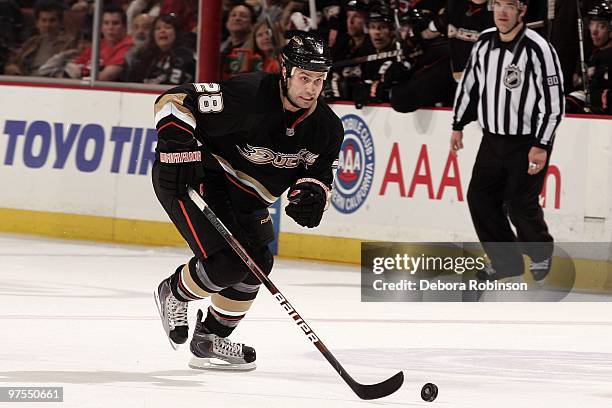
291, 102
285, 85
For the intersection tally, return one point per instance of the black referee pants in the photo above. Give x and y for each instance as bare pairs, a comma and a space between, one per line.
501, 191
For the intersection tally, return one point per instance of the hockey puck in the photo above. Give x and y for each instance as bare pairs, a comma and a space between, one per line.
429, 392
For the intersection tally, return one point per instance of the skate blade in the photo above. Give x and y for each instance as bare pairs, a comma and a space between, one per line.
161, 317
199, 363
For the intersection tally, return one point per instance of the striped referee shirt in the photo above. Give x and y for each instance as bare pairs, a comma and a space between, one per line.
513, 88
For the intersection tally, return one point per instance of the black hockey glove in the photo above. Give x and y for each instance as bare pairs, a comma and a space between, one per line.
361, 94
178, 170
307, 201
397, 72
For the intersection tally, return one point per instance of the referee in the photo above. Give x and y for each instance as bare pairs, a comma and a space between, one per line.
513, 85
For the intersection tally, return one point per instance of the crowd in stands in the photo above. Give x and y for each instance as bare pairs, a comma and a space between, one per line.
409, 53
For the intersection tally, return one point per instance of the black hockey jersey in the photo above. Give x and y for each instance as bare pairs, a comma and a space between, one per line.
241, 127
466, 20
600, 64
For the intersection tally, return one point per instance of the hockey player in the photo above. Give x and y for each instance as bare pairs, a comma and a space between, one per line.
381, 29
241, 144
355, 43
599, 83
466, 20
460, 22
429, 82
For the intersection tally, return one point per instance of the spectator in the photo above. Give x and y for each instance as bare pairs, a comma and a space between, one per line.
265, 41
82, 5
141, 28
141, 32
165, 60
11, 29
113, 47
239, 25
235, 57
55, 66
88, 5
50, 40
186, 12
137, 7
294, 11
272, 12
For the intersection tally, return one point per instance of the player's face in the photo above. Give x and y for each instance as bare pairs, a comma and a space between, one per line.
304, 87
112, 27
355, 23
507, 14
164, 35
48, 23
600, 32
380, 34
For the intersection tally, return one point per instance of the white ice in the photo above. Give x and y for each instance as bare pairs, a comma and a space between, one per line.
81, 315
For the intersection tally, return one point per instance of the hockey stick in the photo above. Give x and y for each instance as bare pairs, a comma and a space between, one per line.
399, 53
374, 57
398, 36
536, 24
550, 16
583, 66
363, 391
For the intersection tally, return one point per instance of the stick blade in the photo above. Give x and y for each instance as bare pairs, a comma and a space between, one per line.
380, 390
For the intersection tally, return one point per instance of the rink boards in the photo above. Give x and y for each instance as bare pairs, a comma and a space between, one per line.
76, 163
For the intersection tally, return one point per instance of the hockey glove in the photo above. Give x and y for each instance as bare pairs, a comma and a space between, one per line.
179, 170
361, 94
307, 201
397, 72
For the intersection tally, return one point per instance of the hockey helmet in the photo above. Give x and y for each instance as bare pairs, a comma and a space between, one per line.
521, 4
418, 18
602, 11
380, 12
304, 50
307, 51
358, 5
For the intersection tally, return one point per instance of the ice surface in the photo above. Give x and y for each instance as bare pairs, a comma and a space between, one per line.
81, 316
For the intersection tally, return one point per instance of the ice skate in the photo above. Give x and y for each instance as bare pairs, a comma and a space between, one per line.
540, 270
173, 314
218, 353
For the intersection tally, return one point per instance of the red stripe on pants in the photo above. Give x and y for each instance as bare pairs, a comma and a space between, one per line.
193, 232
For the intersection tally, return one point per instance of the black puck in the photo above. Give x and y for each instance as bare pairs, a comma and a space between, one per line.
429, 392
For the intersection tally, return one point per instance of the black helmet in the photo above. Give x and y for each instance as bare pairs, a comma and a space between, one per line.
521, 3
307, 51
602, 11
419, 18
304, 50
380, 12
358, 5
